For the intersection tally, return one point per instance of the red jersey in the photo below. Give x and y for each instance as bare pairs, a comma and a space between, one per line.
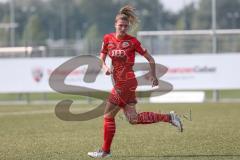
122, 52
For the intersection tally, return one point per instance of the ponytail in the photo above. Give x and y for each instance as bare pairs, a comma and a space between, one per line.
127, 13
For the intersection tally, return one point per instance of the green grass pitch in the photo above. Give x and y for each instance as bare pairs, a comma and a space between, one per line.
34, 132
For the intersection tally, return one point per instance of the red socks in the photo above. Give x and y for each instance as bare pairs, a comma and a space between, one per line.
109, 131
151, 117
142, 118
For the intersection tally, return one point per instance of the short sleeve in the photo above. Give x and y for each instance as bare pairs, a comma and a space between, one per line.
139, 48
104, 48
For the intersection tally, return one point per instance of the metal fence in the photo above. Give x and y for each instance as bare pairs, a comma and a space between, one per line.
189, 41
157, 43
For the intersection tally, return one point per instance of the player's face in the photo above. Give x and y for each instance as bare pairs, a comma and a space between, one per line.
121, 27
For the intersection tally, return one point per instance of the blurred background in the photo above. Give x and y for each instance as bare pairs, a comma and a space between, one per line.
40, 29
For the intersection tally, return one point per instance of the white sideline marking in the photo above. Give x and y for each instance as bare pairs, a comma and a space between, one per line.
37, 112
179, 97
25, 112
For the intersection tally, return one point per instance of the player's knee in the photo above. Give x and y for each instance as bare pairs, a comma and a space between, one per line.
109, 116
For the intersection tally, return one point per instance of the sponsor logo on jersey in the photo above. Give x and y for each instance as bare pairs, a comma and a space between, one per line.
118, 53
125, 44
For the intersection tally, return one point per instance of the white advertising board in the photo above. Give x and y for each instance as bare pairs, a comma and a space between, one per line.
25, 75
202, 72
185, 72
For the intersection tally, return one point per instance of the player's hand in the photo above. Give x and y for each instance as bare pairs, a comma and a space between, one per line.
108, 71
155, 81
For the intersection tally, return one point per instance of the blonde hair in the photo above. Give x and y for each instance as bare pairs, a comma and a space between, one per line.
127, 13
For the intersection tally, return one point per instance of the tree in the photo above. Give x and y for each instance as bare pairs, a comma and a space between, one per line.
102, 16
63, 19
228, 14
152, 15
4, 32
33, 33
186, 17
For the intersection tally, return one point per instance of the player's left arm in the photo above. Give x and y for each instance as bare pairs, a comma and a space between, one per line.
151, 62
142, 51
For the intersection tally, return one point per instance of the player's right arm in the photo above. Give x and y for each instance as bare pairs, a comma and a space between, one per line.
105, 68
103, 55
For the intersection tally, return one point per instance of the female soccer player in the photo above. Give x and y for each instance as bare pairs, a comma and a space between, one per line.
121, 48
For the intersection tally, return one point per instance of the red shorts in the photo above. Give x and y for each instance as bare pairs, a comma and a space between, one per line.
123, 93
